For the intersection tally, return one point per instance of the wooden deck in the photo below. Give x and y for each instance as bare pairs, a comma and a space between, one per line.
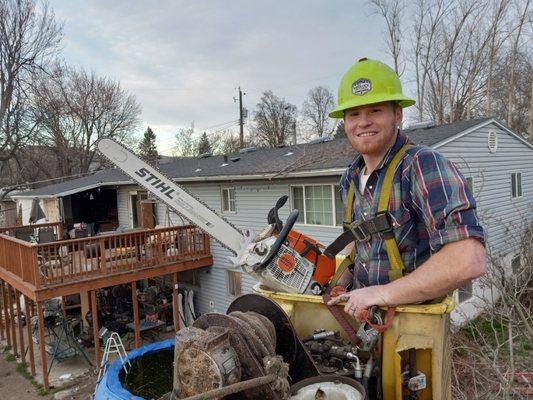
52, 268
45, 270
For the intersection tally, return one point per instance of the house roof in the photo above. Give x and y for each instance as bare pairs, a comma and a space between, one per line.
319, 159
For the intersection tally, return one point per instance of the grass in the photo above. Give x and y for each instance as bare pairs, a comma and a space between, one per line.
22, 369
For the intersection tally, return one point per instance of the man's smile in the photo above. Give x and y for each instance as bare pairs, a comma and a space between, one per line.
365, 134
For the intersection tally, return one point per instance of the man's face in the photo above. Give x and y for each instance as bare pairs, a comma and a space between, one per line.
372, 129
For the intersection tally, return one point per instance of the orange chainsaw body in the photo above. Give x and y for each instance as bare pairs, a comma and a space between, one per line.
311, 250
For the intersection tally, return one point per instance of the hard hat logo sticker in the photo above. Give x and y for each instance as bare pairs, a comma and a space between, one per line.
361, 86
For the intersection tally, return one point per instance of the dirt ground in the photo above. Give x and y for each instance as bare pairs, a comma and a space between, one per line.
13, 386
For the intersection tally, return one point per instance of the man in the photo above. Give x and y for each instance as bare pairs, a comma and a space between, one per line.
432, 211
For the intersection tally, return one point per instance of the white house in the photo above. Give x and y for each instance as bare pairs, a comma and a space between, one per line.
244, 186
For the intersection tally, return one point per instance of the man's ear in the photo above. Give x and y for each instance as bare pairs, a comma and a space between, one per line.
398, 115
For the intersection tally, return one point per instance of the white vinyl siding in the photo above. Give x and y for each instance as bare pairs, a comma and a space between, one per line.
318, 204
228, 200
516, 185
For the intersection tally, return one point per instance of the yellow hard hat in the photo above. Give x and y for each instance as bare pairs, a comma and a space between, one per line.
369, 82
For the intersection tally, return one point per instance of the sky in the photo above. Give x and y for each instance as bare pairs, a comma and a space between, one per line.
184, 60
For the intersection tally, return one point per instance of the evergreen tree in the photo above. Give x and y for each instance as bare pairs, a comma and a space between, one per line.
203, 144
147, 149
339, 131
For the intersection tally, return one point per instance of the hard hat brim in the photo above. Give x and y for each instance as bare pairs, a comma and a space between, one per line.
364, 101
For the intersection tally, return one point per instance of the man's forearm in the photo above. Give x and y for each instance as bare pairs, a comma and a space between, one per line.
454, 265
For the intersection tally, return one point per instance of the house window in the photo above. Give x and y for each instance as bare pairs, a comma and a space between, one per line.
234, 283
516, 184
516, 264
318, 204
465, 292
228, 199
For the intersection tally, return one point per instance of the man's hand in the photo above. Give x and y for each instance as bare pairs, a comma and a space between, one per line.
360, 299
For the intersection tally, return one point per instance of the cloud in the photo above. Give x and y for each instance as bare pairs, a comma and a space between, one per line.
184, 60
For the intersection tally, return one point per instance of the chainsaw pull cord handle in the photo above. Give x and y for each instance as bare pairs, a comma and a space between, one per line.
274, 249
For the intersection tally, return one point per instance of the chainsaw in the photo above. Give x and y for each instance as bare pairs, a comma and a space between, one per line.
279, 257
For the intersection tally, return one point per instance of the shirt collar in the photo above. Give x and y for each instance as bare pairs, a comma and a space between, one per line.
358, 164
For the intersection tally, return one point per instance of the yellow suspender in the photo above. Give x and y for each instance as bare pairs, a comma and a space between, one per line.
393, 253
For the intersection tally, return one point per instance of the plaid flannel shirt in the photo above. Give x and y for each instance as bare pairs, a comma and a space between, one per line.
430, 205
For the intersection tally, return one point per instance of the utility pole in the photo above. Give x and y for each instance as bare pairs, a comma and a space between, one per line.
241, 118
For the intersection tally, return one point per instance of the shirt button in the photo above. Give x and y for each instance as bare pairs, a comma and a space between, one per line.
370, 187
365, 214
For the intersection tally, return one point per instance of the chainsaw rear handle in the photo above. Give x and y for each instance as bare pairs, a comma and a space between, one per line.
276, 246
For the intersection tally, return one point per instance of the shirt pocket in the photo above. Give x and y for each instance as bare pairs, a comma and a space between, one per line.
404, 229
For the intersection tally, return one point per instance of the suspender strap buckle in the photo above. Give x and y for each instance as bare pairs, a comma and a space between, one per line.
359, 231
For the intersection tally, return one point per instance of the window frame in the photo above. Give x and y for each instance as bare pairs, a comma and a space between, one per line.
229, 189
466, 289
516, 184
336, 223
234, 282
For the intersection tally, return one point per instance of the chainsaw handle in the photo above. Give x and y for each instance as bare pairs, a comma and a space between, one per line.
274, 249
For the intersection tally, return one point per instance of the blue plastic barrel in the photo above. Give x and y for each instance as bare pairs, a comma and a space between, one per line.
110, 387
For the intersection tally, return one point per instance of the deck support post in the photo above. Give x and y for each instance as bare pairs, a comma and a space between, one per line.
42, 345
19, 324
3, 318
175, 302
6, 313
29, 315
96, 329
12, 320
135, 303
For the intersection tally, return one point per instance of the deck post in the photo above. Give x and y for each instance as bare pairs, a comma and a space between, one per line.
29, 314
3, 322
135, 303
96, 329
6, 313
175, 302
42, 345
12, 320
19, 323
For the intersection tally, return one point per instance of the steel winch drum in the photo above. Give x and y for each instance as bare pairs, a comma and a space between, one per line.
331, 387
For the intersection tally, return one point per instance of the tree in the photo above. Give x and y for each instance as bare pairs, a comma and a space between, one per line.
185, 142
465, 57
225, 142
147, 148
204, 146
74, 109
274, 120
29, 38
315, 110
339, 130
391, 11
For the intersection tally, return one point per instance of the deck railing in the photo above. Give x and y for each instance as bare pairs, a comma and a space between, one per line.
47, 264
55, 227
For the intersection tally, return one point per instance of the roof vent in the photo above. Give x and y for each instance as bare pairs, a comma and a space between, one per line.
247, 150
205, 155
492, 141
322, 139
422, 125
234, 159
